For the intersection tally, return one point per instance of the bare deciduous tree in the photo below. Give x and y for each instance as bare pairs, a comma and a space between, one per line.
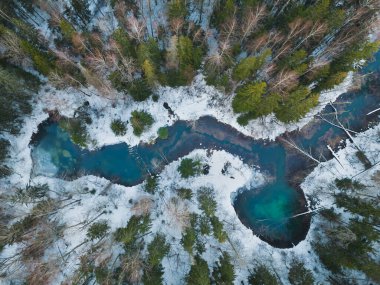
258, 43
131, 267
317, 30
297, 28
172, 53
143, 206
228, 30
284, 81
136, 28
13, 50
176, 25
179, 213
250, 20
98, 62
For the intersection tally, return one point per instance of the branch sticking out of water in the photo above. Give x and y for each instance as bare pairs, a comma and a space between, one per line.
292, 144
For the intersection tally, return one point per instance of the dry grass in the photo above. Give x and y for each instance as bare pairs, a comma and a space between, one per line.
143, 206
179, 213
132, 268
42, 273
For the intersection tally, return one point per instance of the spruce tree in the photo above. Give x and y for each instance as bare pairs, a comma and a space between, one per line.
188, 55
140, 121
249, 66
248, 97
199, 273
149, 72
296, 105
79, 12
157, 250
223, 272
262, 276
153, 275
206, 200
299, 275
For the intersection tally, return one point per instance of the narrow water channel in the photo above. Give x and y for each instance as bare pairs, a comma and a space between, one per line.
266, 210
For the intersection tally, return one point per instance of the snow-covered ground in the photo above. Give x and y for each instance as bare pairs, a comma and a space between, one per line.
118, 203
188, 103
167, 212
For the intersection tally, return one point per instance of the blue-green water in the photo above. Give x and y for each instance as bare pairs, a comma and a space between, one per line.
267, 210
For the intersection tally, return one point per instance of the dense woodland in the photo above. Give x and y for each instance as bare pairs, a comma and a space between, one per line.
275, 56
268, 56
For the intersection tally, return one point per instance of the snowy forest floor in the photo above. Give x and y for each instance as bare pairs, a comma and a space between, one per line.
116, 203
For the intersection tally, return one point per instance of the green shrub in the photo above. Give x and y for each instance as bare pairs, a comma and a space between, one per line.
4, 149
220, 81
172, 78
157, 250
177, 9
43, 62
249, 66
248, 97
188, 55
296, 105
330, 215
297, 61
150, 51
67, 30
140, 121
356, 205
136, 227
262, 276
153, 275
189, 236
155, 98
299, 275
163, 133
218, 230
199, 273
189, 167
101, 274
97, 230
363, 159
204, 225
76, 129
347, 183
124, 43
118, 127
118, 81
151, 184
185, 193
139, 89
223, 10
188, 239
224, 272
206, 200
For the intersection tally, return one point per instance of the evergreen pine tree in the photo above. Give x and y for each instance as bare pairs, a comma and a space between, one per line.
199, 273
262, 276
153, 275
249, 66
296, 105
157, 249
79, 12
223, 272
299, 275
149, 72
248, 97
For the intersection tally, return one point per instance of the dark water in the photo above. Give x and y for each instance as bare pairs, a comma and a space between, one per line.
267, 210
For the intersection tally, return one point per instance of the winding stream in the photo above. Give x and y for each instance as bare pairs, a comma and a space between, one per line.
266, 210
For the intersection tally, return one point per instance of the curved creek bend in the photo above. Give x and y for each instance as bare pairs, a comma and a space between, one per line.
267, 210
